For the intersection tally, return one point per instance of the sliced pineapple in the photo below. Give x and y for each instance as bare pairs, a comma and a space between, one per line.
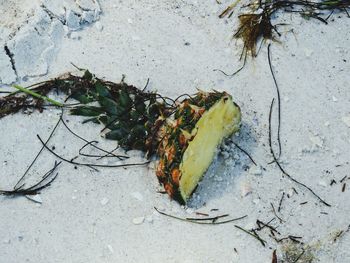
184, 135
190, 140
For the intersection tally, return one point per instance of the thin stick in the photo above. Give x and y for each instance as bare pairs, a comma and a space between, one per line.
229, 8
34, 189
198, 221
263, 242
40, 151
99, 157
278, 102
281, 168
343, 179
237, 71
37, 95
88, 164
245, 152
207, 218
96, 147
274, 211
280, 204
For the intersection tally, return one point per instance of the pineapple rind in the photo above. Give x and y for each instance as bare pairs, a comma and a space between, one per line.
220, 121
182, 140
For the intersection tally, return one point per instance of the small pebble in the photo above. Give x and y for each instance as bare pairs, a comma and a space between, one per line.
138, 220
104, 201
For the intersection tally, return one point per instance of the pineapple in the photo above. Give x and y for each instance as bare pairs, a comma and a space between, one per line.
190, 139
184, 135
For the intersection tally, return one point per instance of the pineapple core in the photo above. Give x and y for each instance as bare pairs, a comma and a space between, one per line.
220, 121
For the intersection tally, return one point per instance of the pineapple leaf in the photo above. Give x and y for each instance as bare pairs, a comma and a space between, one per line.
109, 105
101, 90
86, 111
83, 97
117, 134
124, 99
139, 131
87, 75
94, 120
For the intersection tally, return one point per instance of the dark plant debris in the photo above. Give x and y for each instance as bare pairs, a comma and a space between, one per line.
340, 233
343, 179
274, 257
253, 234
45, 182
256, 23
203, 221
280, 204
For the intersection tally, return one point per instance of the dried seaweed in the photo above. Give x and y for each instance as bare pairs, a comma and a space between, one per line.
45, 182
255, 25
19, 189
252, 28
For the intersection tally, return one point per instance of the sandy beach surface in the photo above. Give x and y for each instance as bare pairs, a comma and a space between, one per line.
108, 215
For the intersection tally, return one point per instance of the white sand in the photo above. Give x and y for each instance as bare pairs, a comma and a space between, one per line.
108, 216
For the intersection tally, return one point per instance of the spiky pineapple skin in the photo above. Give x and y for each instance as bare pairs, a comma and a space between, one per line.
175, 137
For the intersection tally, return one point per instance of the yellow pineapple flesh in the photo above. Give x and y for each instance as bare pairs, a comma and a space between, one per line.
190, 141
